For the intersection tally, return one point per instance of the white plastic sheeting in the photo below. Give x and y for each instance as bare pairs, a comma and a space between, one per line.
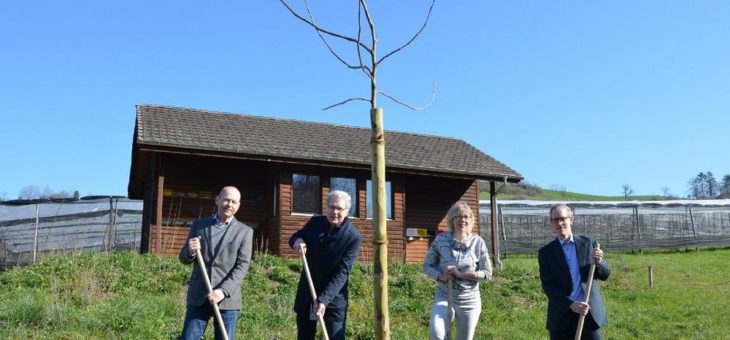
524, 226
31, 230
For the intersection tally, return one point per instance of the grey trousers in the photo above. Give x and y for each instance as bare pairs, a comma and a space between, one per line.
466, 315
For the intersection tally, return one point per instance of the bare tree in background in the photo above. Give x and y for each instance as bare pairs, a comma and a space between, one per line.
47, 192
32, 192
666, 192
560, 189
368, 65
60, 194
29, 192
696, 189
627, 191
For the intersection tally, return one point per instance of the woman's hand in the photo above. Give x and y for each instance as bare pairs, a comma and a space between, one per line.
447, 274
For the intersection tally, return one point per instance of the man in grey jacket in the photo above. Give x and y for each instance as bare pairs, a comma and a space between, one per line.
225, 245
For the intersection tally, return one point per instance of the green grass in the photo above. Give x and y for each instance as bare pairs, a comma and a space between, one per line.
553, 195
131, 296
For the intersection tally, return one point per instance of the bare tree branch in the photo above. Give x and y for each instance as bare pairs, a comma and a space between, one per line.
370, 70
414, 108
344, 102
425, 22
283, 2
373, 56
319, 33
365, 69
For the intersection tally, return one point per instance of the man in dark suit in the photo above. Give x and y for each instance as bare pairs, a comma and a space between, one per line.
225, 245
332, 245
564, 267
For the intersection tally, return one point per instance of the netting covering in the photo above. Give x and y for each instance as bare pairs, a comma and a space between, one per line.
31, 230
524, 226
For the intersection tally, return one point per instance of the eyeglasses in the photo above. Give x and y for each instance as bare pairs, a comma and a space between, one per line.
559, 219
463, 217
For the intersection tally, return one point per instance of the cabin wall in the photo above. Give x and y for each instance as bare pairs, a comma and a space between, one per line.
189, 187
428, 200
188, 184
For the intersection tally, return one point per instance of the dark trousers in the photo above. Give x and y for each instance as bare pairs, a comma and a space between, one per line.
591, 330
307, 328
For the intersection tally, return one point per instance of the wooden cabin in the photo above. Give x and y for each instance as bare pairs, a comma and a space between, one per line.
284, 169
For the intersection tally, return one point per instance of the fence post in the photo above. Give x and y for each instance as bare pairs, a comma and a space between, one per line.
638, 226
113, 234
692, 221
501, 221
651, 277
35, 236
108, 230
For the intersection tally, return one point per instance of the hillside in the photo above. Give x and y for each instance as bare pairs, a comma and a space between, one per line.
527, 191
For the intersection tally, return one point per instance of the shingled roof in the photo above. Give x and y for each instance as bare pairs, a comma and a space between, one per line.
264, 137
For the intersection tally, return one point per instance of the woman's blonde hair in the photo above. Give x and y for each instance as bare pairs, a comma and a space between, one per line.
459, 209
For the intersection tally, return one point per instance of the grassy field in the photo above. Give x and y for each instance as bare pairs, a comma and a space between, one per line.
131, 296
554, 195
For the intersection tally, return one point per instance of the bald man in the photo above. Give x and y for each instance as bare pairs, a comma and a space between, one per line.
225, 245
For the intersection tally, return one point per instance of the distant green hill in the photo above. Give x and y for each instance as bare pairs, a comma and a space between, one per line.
526, 191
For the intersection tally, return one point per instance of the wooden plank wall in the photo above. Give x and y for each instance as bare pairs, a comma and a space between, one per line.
190, 187
192, 183
173, 239
429, 199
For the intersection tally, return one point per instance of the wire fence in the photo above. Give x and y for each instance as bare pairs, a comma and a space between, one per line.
35, 229
524, 226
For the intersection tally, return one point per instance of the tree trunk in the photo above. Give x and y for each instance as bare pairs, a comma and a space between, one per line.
380, 234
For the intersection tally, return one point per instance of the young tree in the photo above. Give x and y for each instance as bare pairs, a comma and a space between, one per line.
627, 191
667, 193
369, 66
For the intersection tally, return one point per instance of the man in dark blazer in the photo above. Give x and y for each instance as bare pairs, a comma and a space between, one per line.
225, 245
331, 244
564, 267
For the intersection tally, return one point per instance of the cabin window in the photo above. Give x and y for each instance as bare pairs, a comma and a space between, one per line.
306, 194
388, 200
348, 185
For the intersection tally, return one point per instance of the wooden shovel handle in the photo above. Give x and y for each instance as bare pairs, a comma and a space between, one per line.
313, 292
216, 310
582, 318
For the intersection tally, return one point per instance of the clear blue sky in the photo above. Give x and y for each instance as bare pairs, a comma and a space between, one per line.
588, 95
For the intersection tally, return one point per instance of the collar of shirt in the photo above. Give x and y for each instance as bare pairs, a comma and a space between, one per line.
218, 223
568, 241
